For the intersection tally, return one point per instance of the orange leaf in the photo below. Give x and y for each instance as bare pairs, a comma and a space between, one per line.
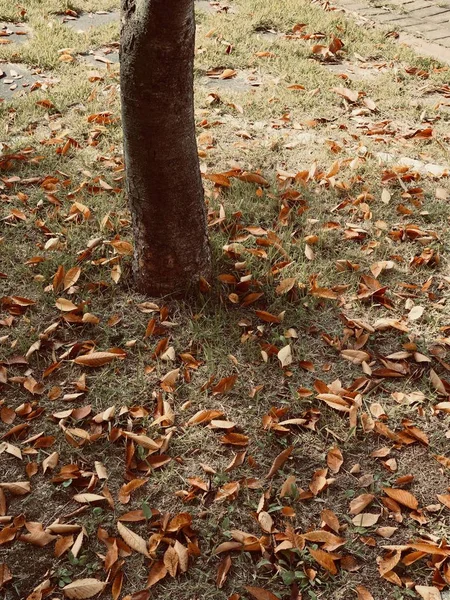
96, 359
224, 385
279, 461
402, 497
171, 561
260, 593
324, 559
222, 571
157, 572
335, 460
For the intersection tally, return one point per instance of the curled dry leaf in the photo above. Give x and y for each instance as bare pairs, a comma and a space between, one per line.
96, 359
356, 357
88, 498
222, 571
279, 461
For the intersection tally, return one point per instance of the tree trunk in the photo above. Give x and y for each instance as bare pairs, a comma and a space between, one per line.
164, 185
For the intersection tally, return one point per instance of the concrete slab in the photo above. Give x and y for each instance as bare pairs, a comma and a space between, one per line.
103, 57
86, 21
14, 33
18, 79
213, 6
243, 82
355, 71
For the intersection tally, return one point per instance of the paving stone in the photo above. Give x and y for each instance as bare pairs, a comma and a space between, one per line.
353, 6
419, 26
375, 12
214, 6
387, 18
437, 34
103, 57
18, 79
430, 11
415, 5
407, 22
243, 82
354, 71
429, 19
87, 21
14, 33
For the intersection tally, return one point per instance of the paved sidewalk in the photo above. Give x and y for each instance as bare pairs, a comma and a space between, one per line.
427, 20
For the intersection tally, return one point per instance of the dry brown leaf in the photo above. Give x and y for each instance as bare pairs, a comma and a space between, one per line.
279, 461
135, 541
71, 277
171, 561
355, 356
402, 497
50, 462
324, 559
428, 592
260, 593
349, 95
224, 385
83, 588
222, 571
265, 521
157, 572
142, 440
365, 520
285, 356
363, 593
96, 359
444, 499
17, 488
183, 556
415, 313
335, 460
357, 505
388, 562
5, 574
88, 498
65, 305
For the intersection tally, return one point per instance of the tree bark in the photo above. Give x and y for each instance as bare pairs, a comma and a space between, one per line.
164, 186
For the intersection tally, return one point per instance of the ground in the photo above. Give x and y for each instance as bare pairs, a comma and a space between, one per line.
228, 444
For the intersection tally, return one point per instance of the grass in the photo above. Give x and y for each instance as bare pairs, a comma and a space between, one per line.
256, 130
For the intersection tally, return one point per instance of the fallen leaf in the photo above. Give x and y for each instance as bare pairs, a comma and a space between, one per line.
135, 541
402, 497
83, 588
260, 593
